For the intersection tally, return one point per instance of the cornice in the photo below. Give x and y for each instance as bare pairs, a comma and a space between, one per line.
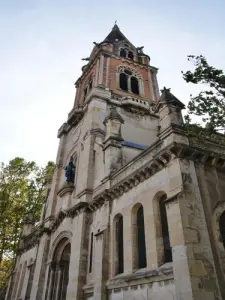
144, 166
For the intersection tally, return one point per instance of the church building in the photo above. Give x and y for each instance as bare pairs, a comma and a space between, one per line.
136, 206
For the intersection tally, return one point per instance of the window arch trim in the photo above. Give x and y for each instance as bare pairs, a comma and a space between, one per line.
130, 72
64, 234
218, 211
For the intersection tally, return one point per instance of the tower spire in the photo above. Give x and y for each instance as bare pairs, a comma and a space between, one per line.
115, 27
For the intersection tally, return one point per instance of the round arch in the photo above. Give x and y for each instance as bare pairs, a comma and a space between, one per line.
217, 213
67, 235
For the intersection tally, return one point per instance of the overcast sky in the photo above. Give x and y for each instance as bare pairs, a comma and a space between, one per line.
42, 43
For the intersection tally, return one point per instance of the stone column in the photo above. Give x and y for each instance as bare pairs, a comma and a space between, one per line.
59, 280
40, 269
128, 238
10, 287
101, 69
150, 81
78, 257
46, 284
97, 73
99, 285
25, 282
193, 265
50, 282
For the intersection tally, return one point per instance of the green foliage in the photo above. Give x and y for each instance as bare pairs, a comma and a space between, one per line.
210, 103
22, 193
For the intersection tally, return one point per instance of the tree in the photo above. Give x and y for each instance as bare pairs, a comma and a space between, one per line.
22, 193
210, 103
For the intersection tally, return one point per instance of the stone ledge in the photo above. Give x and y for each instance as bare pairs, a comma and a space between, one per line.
88, 289
66, 188
164, 272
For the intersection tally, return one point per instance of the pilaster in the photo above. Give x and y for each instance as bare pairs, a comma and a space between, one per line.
100, 263
193, 263
51, 201
112, 142
78, 258
40, 269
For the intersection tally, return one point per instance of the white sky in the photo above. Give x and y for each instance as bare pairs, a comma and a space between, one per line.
42, 43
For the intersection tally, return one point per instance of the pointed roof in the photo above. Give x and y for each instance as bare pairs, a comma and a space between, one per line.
169, 98
115, 34
113, 115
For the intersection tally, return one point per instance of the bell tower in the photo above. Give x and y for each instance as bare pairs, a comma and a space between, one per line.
117, 65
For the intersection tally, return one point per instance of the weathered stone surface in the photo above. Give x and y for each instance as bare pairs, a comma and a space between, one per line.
158, 164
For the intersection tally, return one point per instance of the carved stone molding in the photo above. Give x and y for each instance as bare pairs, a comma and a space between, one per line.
66, 188
121, 182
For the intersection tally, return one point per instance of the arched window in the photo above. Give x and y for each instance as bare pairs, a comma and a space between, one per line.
85, 93
124, 82
134, 85
91, 254
18, 273
165, 231
59, 272
126, 53
119, 244
130, 55
142, 262
222, 228
129, 80
88, 87
123, 53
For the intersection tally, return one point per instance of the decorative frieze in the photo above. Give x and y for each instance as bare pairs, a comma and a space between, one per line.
122, 180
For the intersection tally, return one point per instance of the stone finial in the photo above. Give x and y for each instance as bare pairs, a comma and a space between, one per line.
169, 98
113, 115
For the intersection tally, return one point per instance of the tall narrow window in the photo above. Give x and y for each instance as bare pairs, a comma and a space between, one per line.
222, 228
130, 55
91, 254
30, 279
119, 245
142, 262
165, 231
123, 82
134, 85
123, 53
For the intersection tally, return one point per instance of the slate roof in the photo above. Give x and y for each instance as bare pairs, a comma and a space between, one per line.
115, 34
167, 97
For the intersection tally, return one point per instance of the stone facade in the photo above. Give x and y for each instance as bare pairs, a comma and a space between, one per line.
142, 219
